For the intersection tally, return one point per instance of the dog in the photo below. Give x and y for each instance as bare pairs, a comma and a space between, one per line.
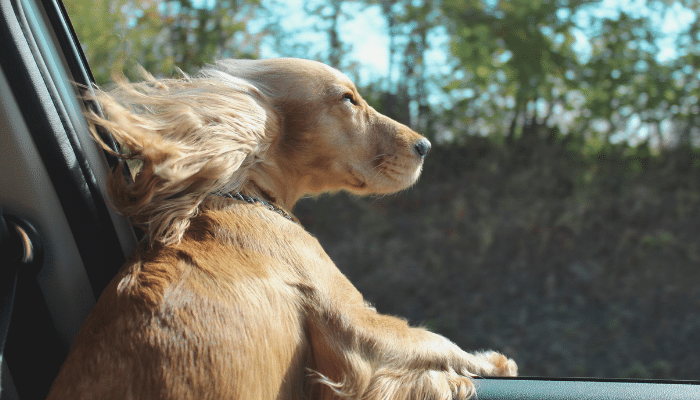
228, 297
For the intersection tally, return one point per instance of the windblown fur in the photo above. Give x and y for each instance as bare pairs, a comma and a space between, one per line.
230, 300
195, 136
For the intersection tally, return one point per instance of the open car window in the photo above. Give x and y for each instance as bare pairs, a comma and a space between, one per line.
53, 177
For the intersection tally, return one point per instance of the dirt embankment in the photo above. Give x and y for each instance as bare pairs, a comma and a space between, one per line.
573, 265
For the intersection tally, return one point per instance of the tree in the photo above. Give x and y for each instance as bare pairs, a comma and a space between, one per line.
331, 15
686, 82
623, 82
101, 35
409, 23
511, 56
163, 35
518, 71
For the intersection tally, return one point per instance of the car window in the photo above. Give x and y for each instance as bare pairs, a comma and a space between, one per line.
557, 216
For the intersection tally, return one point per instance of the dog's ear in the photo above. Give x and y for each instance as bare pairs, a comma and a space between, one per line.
192, 136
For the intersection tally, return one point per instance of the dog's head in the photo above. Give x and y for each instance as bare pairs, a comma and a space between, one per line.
330, 139
280, 129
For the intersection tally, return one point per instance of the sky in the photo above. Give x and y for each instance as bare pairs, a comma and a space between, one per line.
367, 32
671, 24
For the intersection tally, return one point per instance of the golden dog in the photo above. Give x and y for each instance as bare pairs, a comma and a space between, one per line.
230, 298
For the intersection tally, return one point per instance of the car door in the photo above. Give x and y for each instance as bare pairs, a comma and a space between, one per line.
52, 178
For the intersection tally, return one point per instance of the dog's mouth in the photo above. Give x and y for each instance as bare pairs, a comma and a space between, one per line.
356, 181
386, 174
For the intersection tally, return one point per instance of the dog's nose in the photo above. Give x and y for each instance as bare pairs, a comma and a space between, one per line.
422, 147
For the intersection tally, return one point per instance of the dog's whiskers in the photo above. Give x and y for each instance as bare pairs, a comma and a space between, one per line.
377, 170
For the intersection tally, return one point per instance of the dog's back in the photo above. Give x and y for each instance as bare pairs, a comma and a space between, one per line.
206, 318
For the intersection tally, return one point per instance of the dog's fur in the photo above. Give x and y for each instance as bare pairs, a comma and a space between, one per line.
230, 300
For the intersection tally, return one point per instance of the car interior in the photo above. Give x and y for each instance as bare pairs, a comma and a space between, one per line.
61, 243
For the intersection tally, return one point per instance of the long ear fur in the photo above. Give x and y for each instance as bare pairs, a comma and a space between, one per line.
194, 136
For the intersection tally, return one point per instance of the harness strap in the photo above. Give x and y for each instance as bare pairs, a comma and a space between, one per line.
253, 200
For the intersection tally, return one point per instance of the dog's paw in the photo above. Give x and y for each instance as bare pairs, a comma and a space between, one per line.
462, 387
402, 384
497, 364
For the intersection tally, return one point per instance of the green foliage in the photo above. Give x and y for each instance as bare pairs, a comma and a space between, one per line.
161, 35
657, 240
517, 67
513, 57
97, 24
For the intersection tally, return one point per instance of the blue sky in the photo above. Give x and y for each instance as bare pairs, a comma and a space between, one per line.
670, 24
366, 31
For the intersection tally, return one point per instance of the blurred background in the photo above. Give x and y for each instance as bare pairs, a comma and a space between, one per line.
558, 216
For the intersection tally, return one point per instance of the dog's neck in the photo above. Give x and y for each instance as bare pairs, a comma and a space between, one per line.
268, 181
254, 190
257, 200
260, 190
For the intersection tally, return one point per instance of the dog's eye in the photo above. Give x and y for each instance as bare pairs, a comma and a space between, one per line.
349, 98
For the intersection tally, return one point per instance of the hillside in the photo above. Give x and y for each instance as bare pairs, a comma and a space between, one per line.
573, 265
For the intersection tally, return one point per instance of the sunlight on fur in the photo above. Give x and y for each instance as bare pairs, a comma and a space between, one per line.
194, 137
228, 298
